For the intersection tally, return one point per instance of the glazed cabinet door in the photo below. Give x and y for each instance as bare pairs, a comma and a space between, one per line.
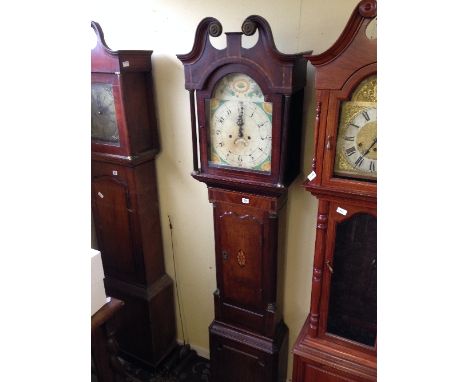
349, 306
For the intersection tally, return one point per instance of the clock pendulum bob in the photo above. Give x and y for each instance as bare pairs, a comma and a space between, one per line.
248, 339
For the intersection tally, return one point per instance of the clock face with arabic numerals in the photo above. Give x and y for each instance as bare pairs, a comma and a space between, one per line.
356, 153
240, 125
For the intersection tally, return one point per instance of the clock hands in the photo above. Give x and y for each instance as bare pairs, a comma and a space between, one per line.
240, 123
369, 149
360, 160
240, 120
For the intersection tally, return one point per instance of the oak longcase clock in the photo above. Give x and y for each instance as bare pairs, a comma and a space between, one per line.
246, 108
125, 201
338, 341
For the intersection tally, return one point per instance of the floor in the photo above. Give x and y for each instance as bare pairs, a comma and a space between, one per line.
182, 365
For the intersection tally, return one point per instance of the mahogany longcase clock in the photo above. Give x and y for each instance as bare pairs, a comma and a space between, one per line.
125, 201
247, 120
338, 340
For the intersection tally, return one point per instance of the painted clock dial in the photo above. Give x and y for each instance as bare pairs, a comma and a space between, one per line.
356, 154
103, 120
240, 125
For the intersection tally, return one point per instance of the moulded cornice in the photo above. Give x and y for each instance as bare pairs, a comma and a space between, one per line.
204, 59
366, 9
102, 45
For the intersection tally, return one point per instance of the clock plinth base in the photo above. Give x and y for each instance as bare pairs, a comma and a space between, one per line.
145, 334
239, 355
319, 360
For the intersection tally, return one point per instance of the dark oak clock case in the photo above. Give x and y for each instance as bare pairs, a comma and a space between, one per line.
338, 340
125, 201
248, 338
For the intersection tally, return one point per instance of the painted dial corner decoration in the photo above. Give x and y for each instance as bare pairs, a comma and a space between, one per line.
356, 153
103, 120
240, 125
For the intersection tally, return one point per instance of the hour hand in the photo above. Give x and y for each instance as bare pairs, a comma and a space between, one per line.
240, 120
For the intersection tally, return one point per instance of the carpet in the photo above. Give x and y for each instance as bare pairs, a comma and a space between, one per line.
182, 365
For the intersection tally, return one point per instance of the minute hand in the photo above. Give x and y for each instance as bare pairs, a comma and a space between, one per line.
369, 149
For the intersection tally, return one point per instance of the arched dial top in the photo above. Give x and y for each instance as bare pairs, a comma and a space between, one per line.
240, 125
246, 108
356, 150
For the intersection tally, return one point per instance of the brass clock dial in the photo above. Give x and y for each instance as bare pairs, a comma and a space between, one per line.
103, 120
356, 153
240, 125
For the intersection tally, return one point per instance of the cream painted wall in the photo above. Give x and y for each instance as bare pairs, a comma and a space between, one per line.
167, 27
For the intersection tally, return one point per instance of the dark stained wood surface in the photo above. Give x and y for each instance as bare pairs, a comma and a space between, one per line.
248, 339
129, 73
104, 348
247, 258
330, 360
281, 78
106, 312
126, 206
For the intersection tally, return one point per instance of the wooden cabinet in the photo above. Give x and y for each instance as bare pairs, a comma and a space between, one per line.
125, 201
338, 341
